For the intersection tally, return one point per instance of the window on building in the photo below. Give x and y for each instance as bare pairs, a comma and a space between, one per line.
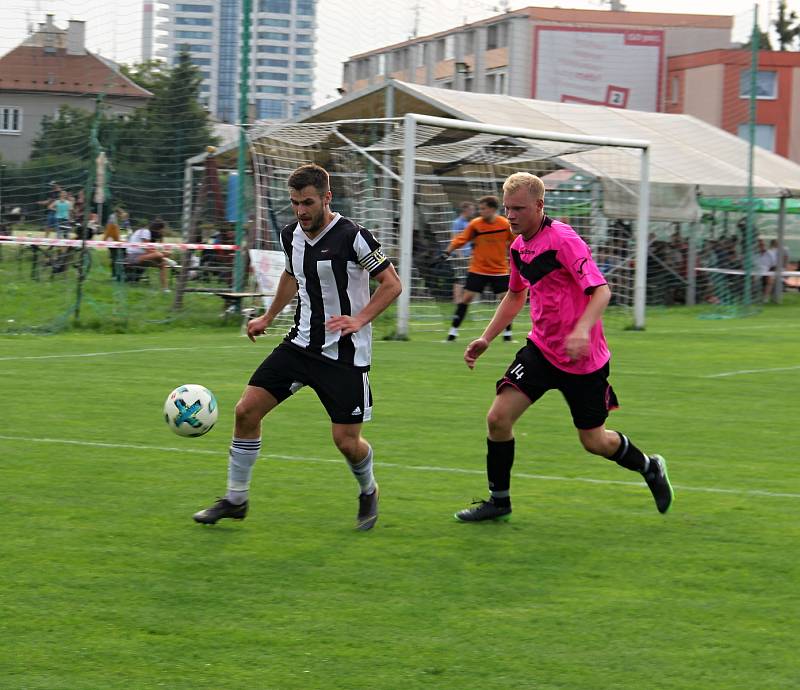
362, 68
438, 50
764, 135
301, 91
449, 47
305, 7
275, 6
273, 36
196, 60
303, 77
195, 48
496, 82
272, 89
674, 90
274, 76
193, 8
497, 36
270, 109
300, 107
193, 21
468, 84
303, 24
302, 38
303, 64
302, 51
10, 119
469, 42
204, 35
766, 84
271, 62
273, 21
205, 87
281, 50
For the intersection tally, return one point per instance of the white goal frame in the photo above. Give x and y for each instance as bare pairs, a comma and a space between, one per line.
410, 122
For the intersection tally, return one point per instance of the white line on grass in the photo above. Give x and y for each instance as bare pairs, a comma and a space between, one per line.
417, 468
117, 352
740, 372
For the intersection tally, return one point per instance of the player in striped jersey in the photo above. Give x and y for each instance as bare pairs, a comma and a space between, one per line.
329, 261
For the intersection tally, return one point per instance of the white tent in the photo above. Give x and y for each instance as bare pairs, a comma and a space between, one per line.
688, 156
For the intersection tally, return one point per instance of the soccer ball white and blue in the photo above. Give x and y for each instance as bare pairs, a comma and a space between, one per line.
190, 410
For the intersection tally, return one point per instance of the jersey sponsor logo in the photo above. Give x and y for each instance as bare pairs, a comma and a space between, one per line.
579, 265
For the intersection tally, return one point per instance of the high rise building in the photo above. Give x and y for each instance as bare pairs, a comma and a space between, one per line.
281, 56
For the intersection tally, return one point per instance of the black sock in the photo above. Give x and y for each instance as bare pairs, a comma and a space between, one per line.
629, 456
499, 461
461, 312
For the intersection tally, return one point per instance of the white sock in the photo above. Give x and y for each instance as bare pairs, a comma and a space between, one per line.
453, 331
363, 473
242, 456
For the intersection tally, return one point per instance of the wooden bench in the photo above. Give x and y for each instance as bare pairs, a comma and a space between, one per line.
231, 298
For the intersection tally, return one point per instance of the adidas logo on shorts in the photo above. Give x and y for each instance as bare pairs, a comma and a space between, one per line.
356, 411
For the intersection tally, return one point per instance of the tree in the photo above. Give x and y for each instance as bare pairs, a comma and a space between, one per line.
786, 26
157, 140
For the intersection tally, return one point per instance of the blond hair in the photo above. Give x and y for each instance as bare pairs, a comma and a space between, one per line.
523, 180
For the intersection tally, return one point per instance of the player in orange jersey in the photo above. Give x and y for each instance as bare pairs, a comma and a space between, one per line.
490, 235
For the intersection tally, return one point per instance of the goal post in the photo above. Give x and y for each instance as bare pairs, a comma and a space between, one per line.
404, 180
406, 238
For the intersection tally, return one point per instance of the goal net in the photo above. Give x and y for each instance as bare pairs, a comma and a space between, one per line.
406, 179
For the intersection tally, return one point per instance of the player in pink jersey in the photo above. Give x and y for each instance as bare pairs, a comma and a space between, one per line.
565, 350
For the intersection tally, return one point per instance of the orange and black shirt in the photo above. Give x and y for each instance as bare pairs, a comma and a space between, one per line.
490, 242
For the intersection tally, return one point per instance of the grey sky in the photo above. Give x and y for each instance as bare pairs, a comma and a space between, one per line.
346, 27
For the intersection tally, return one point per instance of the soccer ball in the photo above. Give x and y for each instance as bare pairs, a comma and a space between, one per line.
190, 410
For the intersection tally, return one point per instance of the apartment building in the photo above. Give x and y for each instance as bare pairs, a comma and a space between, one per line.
715, 86
281, 55
613, 58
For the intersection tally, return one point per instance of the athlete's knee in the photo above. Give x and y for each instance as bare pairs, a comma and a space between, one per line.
248, 413
347, 443
597, 441
499, 424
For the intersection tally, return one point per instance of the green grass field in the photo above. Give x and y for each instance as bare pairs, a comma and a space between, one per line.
107, 583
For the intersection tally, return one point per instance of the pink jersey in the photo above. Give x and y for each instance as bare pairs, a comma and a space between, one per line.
557, 266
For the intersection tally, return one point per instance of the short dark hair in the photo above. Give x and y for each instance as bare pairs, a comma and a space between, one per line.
490, 201
310, 175
156, 230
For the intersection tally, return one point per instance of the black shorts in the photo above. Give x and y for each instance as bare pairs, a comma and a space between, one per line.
589, 396
343, 390
477, 282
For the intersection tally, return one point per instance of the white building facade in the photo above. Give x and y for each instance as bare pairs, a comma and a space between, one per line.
282, 43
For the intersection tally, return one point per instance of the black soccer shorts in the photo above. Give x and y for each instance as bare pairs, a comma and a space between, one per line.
477, 282
589, 396
343, 390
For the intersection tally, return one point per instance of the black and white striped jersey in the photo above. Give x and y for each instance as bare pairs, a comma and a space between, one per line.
332, 273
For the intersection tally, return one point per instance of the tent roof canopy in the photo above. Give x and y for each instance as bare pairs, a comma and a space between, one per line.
687, 155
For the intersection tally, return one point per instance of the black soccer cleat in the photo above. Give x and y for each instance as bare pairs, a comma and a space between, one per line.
658, 482
367, 510
484, 510
223, 508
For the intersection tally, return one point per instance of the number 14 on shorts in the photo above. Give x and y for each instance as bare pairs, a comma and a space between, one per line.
517, 370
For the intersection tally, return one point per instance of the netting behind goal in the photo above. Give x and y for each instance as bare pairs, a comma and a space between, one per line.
451, 165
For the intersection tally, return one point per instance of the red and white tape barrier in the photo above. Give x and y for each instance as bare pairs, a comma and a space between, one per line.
110, 244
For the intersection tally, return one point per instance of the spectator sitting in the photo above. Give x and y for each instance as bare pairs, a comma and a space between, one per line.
141, 256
